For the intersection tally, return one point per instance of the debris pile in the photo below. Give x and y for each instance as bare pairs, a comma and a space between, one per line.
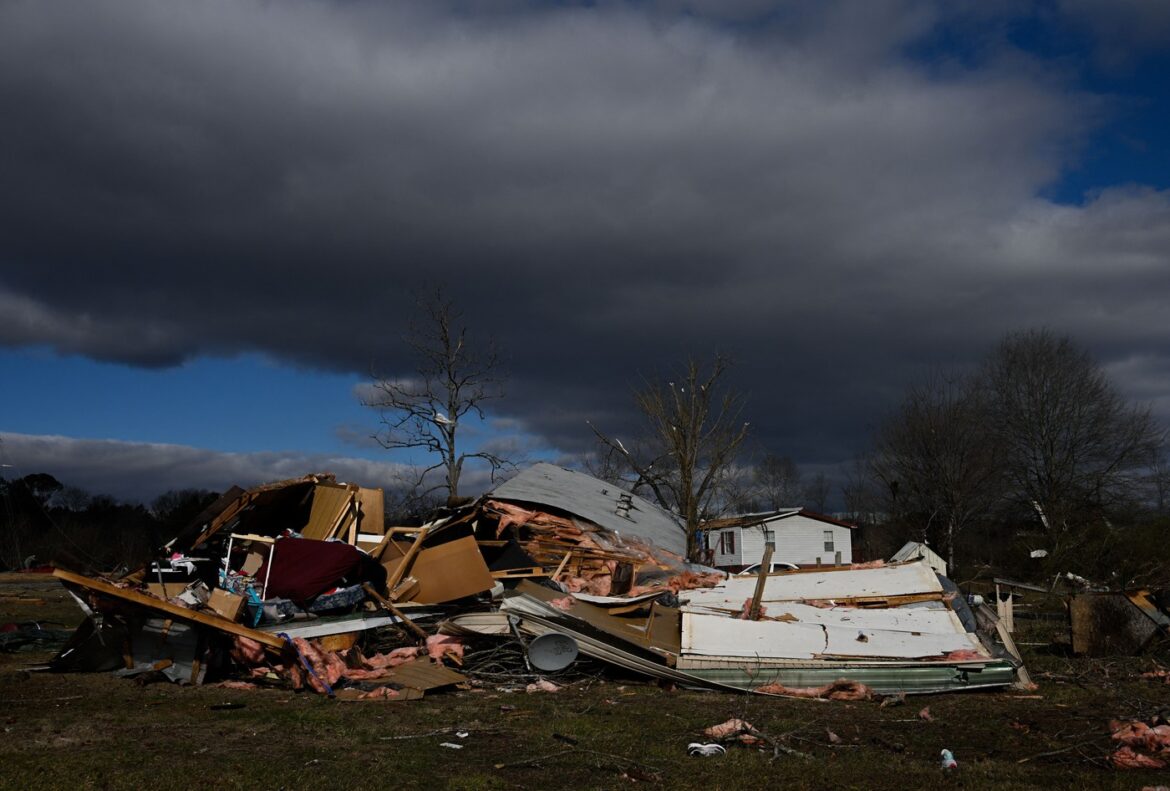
300, 583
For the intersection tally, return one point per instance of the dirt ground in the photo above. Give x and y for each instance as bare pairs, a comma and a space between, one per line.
98, 731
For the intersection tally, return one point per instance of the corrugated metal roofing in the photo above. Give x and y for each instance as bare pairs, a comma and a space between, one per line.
599, 502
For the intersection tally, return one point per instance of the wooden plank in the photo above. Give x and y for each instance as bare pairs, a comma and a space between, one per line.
174, 610
1025, 680
389, 607
400, 571
561, 567
530, 571
761, 579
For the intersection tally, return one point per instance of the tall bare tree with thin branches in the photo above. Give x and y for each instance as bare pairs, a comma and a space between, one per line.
936, 458
1068, 442
694, 431
452, 380
777, 482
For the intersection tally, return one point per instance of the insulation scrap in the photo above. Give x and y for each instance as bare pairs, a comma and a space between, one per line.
730, 728
543, 685
564, 603
399, 656
964, 655
599, 585
841, 689
689, 580
1139, 734
247, 651
441, 646
873, 564
1142, 746
1128, 758
381, 693
745, 613
327, 666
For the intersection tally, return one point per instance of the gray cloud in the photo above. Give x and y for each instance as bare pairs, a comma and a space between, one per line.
140, 471
607, 189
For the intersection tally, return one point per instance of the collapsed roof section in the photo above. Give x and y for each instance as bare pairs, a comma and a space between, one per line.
602, 503
891, 629
315, 506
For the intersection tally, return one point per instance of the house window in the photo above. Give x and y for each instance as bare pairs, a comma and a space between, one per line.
828, 540
729, 542
770, 539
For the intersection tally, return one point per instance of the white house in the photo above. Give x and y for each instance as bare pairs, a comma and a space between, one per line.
916, 550
797, 536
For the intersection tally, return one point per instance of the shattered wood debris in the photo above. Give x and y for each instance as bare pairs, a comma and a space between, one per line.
300, 583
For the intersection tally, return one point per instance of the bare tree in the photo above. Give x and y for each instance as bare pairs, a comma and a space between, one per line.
1158, 478
452, 380
1067, 441
777, 482
816, 493
936, 458
859, 492
694, 433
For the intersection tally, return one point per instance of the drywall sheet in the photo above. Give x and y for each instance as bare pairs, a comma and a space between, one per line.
713, 635
902, 580
898, 619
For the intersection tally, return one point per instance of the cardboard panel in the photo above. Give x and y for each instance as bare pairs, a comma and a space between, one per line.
226, 604
446, 572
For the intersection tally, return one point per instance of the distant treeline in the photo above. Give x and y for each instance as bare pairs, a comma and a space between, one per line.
43, 521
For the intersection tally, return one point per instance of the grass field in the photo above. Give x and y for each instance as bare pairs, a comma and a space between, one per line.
98, 731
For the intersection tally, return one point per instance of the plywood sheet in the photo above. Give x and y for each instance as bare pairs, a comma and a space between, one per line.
329, 503
373, 512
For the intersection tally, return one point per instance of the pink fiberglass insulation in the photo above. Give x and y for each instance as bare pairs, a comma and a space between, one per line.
440, 646
841, 689
730, 728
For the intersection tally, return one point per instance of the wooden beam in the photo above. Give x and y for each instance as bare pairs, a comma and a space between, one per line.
173, 610
390, 608
761, 580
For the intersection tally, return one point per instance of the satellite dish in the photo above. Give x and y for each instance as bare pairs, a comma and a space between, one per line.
552, 652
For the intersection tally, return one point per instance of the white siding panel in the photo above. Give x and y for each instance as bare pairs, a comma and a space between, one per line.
722, 557
901, 580
896, 619
801, 540
714, 635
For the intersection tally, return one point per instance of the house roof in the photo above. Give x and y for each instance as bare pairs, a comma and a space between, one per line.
754, 520
913, 550
604, 504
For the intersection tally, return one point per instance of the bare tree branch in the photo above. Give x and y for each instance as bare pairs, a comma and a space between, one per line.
452, 380
693, 434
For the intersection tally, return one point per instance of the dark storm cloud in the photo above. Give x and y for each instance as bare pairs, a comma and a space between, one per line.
607, 189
